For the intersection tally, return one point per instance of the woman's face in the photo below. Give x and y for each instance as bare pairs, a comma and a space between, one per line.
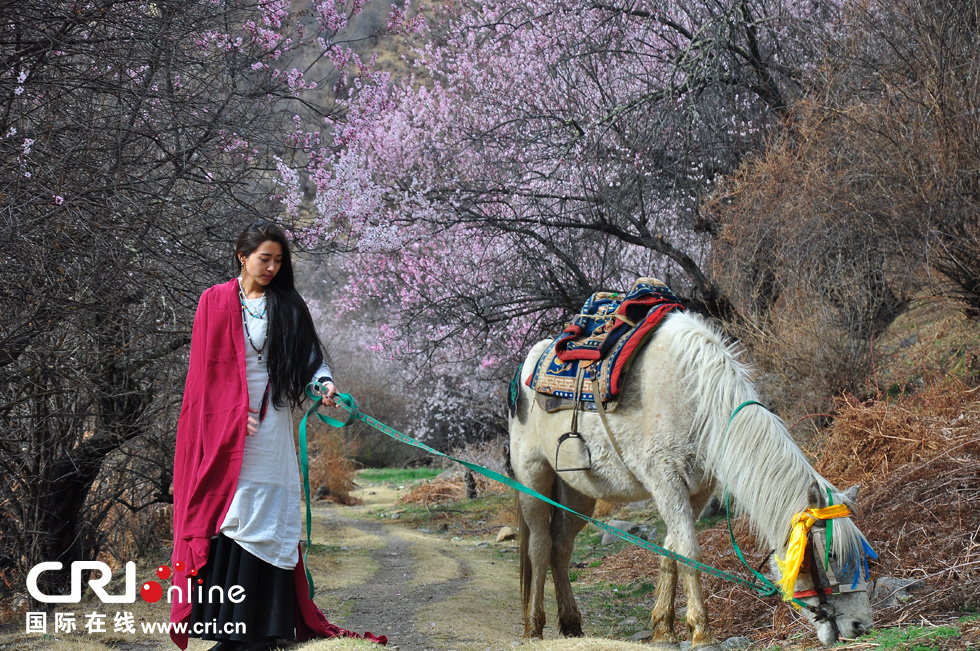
262, 265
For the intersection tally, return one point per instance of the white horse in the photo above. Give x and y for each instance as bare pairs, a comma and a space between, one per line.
674, 442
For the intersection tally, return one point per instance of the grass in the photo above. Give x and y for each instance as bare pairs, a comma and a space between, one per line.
616, 610
476, 517
397, 475
913, 638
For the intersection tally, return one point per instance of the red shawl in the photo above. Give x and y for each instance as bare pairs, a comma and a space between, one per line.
210, 441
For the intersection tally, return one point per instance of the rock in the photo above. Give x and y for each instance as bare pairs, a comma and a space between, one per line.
506, 533
483, 544
647, 532
624, 525
629, 621
686, 645
891, 591
642, 636
736, 643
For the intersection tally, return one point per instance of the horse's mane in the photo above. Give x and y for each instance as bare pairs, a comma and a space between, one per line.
755, 458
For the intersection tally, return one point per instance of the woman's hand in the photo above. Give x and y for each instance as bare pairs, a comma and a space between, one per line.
327, 390
253, 423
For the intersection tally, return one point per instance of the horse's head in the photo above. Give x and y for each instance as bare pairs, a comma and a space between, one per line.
833, 570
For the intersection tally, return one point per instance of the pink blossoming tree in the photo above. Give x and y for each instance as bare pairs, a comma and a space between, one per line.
545, 150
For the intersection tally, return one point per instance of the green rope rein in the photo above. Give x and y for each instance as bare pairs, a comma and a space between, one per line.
348, 403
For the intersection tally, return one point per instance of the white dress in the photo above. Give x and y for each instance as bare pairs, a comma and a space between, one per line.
264, 516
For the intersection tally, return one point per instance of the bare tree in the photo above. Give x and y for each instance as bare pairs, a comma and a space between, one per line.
136, 140
872, 189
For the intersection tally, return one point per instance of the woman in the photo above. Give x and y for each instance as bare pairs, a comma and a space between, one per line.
237, 519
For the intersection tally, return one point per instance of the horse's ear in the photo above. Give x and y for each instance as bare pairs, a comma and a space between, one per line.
815, 497
851, 494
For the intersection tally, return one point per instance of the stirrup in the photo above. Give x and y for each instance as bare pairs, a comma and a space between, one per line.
573, 433
569, 436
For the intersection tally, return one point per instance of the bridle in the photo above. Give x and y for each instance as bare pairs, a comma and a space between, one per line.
825, 581
802, 551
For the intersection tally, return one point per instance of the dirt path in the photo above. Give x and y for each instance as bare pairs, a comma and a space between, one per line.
425, 589
390, 602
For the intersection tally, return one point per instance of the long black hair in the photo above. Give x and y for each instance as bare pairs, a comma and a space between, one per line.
295, 350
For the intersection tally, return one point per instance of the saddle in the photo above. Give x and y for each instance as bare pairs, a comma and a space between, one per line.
594, 351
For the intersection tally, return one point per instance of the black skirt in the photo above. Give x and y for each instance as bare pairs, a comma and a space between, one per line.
265, 612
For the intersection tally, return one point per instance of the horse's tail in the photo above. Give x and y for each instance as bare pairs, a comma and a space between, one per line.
523, 533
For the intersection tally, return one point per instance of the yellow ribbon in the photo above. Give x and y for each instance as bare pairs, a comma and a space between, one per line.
790, 567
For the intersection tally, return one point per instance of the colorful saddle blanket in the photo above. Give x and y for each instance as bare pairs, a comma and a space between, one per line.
605, 336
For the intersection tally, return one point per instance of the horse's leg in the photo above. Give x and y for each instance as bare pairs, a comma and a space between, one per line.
662, 617
536, 552
564, 528
676, 507
696, 616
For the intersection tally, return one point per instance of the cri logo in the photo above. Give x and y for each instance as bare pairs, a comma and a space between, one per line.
150, 591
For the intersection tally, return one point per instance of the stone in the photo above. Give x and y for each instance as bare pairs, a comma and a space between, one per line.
506, 533
891, 591
624, 525
647, 532
733, 643
642, 636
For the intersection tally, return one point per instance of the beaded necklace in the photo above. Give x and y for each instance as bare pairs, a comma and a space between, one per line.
241, 297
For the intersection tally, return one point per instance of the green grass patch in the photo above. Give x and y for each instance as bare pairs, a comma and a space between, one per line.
465, 517
397, 475
913, 638
971, 616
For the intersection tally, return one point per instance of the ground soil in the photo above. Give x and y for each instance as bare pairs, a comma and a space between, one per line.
434, 578
390, 601
425, 589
